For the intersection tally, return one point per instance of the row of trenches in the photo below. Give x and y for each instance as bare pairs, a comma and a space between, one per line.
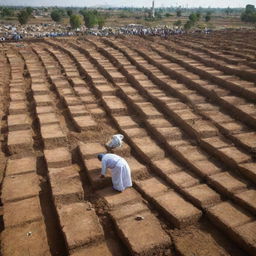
76, 97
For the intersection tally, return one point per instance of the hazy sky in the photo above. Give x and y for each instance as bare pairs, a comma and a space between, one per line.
140, 3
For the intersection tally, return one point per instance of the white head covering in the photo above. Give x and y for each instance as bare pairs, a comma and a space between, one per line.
115, 141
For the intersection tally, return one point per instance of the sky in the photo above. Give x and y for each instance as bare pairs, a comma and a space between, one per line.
135, 3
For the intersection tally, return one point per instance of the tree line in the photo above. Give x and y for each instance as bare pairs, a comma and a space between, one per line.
85, 16
91, 18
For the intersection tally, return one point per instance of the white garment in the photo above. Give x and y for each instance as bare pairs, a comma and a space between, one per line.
121, 173
116, 141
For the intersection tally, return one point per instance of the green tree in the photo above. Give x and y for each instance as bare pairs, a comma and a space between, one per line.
90, 18
69, 12
198, 15
188, 25
249, 8
7, 12
57, 15
23, 17
75, 21
29, 11
208, 16
93, 18
193, 18
101, 21
177, 23
249, 15
178, 13
228, 11
158, 15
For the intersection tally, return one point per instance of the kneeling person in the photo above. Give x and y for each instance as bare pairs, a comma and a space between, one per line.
121, 173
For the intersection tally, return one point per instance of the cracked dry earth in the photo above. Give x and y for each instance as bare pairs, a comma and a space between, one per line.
186, 107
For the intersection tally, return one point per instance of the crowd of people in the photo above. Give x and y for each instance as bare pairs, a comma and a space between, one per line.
18, 32
139, 30
12, 32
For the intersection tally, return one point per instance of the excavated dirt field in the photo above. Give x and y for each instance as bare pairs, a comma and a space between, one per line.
186, 107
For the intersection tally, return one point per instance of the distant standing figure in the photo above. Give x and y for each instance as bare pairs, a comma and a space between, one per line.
120, 170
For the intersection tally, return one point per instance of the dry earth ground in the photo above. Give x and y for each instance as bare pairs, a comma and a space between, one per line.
186, 107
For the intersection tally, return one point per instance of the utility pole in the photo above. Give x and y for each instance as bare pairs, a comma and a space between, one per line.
153, 9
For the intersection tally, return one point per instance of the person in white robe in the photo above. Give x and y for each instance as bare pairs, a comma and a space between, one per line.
120, 170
